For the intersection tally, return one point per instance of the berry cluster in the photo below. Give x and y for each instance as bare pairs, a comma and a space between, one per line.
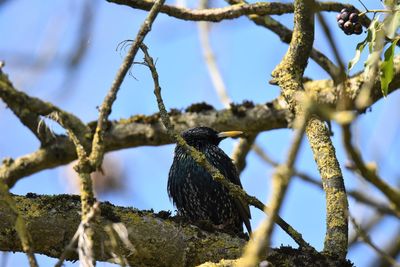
348, 21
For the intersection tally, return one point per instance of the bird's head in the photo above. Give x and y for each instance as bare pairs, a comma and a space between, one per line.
206, 135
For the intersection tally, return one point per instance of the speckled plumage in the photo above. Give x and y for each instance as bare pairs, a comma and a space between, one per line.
193, 191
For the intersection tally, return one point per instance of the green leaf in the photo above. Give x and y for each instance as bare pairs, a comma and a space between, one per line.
387, 68
376, 45
360, 47
373, 28
391, 24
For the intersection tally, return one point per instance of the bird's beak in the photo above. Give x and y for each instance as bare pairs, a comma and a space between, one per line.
229, 134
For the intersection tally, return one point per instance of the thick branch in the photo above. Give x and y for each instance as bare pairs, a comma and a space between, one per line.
156, 241
289, 75
332, 180
18, 224
143, 130
224, 13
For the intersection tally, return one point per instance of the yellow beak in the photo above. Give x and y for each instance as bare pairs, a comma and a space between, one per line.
229, 134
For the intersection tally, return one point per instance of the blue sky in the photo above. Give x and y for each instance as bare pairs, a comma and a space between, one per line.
246, 55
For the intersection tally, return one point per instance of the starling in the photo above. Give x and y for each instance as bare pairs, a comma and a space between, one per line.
193, 191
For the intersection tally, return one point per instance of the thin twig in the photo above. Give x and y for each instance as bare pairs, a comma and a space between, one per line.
368, 241
94, 210
367, 226
97, 154
341, 75
243, 146
285, 35
356, 195
83, 168
233, 189
241, 150
260, 241
209, 58
392, 248
367, 172
363, 5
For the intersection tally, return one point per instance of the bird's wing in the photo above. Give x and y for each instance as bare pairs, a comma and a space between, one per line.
244, 212
232, 175
242, 206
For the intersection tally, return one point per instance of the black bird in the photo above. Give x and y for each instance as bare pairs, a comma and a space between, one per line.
194, 192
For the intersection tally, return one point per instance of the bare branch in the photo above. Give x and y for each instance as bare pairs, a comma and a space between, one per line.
96, 156
140, 130
209, 58
156, 238
392, 249
288, 75
241, 150
260, 241
368, 241
369, 173
230, 12
17, 222
361, 197
367, 225
286, 35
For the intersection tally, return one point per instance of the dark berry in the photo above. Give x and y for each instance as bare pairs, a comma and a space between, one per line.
347, 20
344, 16
341, 23
357, 28
353, 17
348, 26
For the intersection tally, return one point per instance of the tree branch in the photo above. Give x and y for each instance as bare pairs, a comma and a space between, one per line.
96, 156
156, 240
285, 35
361, 197
241, 150
224, 13
370, 174
288, 76
140, 130
18, 224
365, 237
